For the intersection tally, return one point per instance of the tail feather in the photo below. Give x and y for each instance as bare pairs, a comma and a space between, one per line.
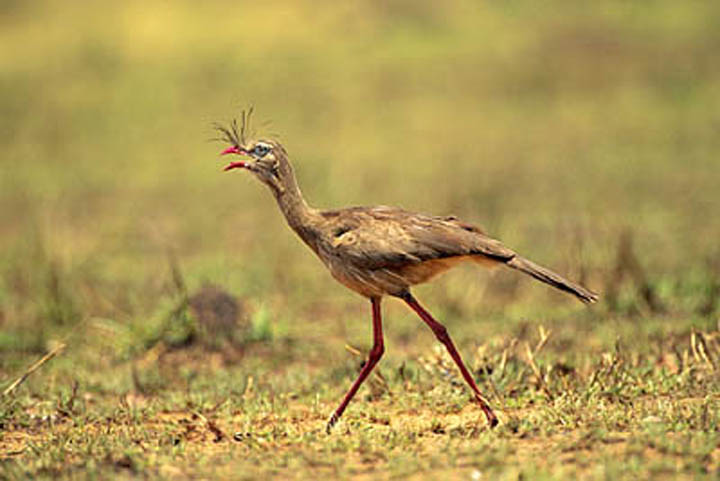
549, 277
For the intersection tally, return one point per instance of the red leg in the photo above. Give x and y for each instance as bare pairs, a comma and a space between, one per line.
375, 354
443, 336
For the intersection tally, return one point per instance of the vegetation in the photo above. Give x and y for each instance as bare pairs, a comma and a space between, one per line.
201, 339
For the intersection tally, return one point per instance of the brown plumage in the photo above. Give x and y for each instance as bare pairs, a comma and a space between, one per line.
379, 251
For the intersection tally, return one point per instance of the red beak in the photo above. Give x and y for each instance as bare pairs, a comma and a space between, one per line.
237, 151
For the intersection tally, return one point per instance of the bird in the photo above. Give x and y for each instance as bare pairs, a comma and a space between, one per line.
381, 251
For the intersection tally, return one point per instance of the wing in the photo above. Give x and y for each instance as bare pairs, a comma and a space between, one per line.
385, 237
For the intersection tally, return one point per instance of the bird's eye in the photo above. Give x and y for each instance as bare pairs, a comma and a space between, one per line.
261, 150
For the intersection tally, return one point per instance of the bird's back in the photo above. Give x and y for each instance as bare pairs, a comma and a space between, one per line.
385, 250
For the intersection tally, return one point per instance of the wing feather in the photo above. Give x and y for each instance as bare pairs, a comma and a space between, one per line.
385, 237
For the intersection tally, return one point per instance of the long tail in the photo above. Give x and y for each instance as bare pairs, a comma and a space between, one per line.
549, 277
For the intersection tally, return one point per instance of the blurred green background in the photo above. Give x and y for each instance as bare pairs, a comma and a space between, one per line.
558, 126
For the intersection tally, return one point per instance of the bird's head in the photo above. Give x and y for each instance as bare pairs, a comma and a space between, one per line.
261, 155
266, 159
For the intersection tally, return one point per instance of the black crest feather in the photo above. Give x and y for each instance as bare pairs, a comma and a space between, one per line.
234, 134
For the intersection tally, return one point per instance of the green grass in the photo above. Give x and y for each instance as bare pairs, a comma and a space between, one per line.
583, 137
581, 405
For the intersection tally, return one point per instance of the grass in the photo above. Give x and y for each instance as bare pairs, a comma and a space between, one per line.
567, 408
584, 137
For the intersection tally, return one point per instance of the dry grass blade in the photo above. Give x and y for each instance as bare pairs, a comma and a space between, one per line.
353, 350
531, 362
531, 353
505, 353
380, 383
37, 365
212, 427
700, 349
544, 336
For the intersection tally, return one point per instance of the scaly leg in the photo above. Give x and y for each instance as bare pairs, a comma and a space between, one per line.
375, 354
443, 336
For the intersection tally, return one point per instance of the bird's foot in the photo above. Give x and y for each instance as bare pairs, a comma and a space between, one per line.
331, 422
491, 417
487, 410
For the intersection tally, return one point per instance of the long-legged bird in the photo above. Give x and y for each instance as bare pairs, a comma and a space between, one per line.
382, 251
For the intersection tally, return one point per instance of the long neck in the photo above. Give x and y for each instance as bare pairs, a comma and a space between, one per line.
292, 203
299, 215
